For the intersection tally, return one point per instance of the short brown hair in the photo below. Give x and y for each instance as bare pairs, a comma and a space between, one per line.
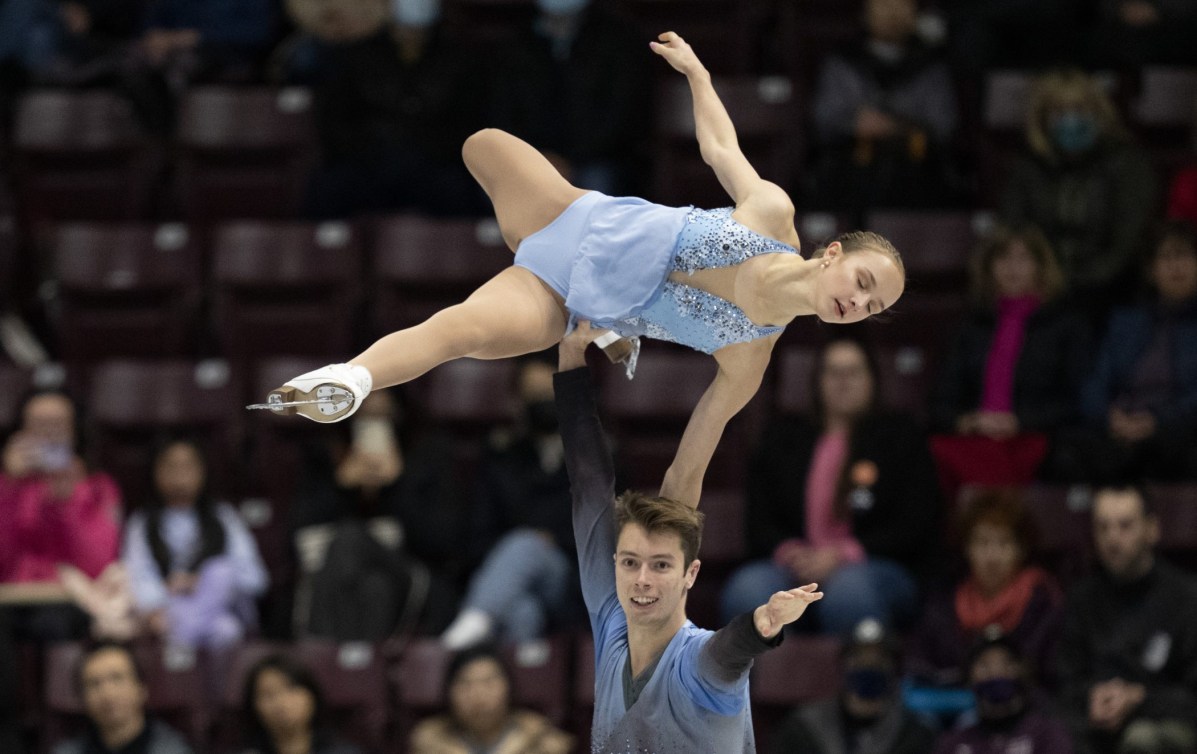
1002, 507
864, 240
661, 514
995, 243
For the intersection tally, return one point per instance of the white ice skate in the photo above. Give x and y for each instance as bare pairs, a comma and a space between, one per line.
328, 394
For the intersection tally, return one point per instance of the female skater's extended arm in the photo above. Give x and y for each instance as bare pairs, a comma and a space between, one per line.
716, 135
741, 367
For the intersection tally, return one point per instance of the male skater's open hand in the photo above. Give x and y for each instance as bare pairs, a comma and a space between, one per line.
783, 608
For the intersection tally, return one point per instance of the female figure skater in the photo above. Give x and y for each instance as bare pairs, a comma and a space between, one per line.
724, 282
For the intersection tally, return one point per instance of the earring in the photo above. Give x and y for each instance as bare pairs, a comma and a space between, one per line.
826, 262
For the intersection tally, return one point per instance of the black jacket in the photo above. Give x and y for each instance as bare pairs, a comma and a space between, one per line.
1057, 352
896, 517
1142, 632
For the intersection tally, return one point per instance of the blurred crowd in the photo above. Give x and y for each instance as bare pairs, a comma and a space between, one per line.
1007, 560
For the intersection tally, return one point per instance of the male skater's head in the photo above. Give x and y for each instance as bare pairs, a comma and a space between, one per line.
656, 558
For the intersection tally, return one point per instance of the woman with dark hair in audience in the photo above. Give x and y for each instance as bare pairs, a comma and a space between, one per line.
480, 718
1011, 377
1000, 591
54, 511
284, 708
193, 565
846, 497
1140, 400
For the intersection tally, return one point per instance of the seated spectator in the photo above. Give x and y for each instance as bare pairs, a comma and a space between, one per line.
867, 717
1182, 196
1128, 654
284, 707
884, 116
576, 84
393, 110
1001, 589
846, 498
54, 511
322, 24
480, 718
528, 579
1128, 34
1085, 184
378, 527
1010, 718
193, 565
29, 35
114, 697
1141, 397
1010, 380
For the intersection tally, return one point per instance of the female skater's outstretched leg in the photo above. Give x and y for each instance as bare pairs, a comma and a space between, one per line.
512, 314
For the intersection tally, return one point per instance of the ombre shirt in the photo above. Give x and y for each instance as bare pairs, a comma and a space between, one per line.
696, 700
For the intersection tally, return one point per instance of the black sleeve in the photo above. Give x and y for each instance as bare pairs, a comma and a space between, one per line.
730, 652
591, 484
949, 395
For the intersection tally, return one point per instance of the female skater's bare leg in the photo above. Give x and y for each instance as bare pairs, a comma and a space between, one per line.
512, 314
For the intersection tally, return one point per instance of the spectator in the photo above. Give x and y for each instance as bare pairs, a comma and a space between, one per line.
867, 716
522, 522
114, 697
1008, 715
285, 709
378, 519
29, 35
577, 85
393, 109
480, 718
1128, 655
323, 24
54, 510
1141, 397
1129, 34
1010, 379
1085, 184
1001, 589
884, 115
846, 498
193, 565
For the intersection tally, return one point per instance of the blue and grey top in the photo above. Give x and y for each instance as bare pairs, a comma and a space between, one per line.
696, 699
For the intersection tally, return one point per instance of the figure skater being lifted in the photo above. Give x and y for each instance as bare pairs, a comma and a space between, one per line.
724, 281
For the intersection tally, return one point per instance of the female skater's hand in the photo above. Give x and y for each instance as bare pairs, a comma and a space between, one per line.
677, 53
571, 352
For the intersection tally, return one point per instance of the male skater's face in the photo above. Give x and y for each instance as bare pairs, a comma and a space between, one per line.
651, 576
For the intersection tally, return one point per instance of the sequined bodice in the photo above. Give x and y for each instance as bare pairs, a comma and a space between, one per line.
689, 315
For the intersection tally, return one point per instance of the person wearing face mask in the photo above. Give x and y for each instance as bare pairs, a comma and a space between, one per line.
527, 581
1009, 381
1140, 400
54, 510
574, 84
1086, 185
867, 716
1010, 717
393, 108
884, 113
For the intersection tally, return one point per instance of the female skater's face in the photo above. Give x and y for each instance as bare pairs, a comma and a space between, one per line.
854, 285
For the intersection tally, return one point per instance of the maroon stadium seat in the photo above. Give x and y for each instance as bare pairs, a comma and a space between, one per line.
80, 155
132, 403
126, 290
419, 679
425, 264
935, 246
244, 152
723, 531
286, 289
721, 31
802, 669
468, 395
768, 125
540, 675
907, 374
793, 393
275, 440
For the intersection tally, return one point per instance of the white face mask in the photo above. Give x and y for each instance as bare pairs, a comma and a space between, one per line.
418, 13
562, 7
